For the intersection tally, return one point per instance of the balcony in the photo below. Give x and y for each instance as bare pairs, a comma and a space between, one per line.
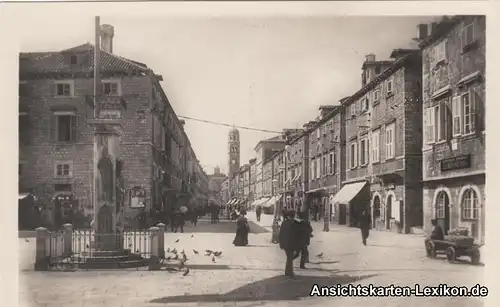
111, 110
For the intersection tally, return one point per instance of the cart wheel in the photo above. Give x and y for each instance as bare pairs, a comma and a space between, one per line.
475, 257
451, 254
430, 250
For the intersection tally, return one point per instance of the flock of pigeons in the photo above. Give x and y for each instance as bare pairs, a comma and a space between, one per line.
182, 257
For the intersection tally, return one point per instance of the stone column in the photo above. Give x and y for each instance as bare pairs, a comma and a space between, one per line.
154, 260
68, 238
42, 257
161, 235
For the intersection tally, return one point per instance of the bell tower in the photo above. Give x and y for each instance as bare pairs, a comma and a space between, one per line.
234, 152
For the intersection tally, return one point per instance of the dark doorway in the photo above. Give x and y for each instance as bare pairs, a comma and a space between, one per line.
443, 211
342, 214
376, 210
389, 212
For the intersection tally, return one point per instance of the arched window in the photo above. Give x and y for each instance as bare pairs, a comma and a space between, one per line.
470, 205
441, 203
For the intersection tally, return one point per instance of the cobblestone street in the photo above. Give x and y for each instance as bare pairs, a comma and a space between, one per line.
252, 276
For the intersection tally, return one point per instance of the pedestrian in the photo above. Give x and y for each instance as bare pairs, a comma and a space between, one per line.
258, 212
194, 216
288, 240
242, 229
304, 238
437, 232
179, 221
364, 225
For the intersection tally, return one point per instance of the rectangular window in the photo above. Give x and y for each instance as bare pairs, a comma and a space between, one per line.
110, 88
325, 165
65, 128
444, 122
467, 35
456, 109
363, 152
376, 95
389, 141
440, 51
63, 169
430, 129
331, 168
318, 167
353, 155
468, 114
389, 87
63, 88
313, 169
375, 146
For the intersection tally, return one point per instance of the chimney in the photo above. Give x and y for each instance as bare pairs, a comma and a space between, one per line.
432, 28
370, 57
107, 33
326, 109
422, 31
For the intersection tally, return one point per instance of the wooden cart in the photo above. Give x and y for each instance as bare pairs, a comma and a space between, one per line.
453, 248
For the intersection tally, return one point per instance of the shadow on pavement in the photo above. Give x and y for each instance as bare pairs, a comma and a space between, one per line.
278, 288
256, 228
325, 262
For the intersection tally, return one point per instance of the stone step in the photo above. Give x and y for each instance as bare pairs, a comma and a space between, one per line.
101, 253
95, 259
111, 265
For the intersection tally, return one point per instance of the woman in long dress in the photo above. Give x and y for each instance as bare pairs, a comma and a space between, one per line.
242, 229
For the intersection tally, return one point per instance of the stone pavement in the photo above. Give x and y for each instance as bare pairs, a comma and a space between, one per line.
251, 276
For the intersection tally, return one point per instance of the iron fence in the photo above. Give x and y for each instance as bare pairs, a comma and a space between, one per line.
88, 247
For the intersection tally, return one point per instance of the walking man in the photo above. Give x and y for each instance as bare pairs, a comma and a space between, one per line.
304, 238
288, 240
258, 212
364, 225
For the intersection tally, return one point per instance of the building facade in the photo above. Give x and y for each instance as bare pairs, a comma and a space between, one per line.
383, 136
56, 143
215, 183
454, 141
324, 155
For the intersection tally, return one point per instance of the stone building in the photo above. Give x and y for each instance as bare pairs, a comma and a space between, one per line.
383, 144
263, 151
56, 143
454, 116
233, 152
297, 166
215, 183
324, 156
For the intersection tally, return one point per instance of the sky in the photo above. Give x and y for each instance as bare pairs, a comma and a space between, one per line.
260, 71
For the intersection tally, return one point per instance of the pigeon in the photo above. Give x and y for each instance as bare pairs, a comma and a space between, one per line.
181, 265
182, 252
168, 250
186, 272
174, 251
192, 236
26, 240
208, 251
87, 246
320, 255
195, 252
176, 257
184, 258
168, 258
177, 241
213, 259
217, 254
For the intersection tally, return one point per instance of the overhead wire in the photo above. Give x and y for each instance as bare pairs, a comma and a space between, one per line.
228, 125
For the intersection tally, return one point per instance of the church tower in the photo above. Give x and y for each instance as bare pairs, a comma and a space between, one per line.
234, 151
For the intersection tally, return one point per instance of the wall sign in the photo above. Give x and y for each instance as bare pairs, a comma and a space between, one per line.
453, 163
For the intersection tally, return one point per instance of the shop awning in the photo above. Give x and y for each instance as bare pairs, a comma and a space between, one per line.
272, 201
296, 177
23, 195
230, 202
347, 193
315, 190
264, 201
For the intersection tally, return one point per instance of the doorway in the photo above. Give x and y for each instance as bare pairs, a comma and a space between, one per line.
376, 211
389, 212
443, 211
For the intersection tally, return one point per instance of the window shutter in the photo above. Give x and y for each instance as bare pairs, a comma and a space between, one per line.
448, 120
356, 155
367, 151
478, 107
74, 128
53, 128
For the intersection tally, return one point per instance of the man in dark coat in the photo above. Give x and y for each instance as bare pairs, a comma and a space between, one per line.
364, 225
258, 212
288, 240
304, 238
